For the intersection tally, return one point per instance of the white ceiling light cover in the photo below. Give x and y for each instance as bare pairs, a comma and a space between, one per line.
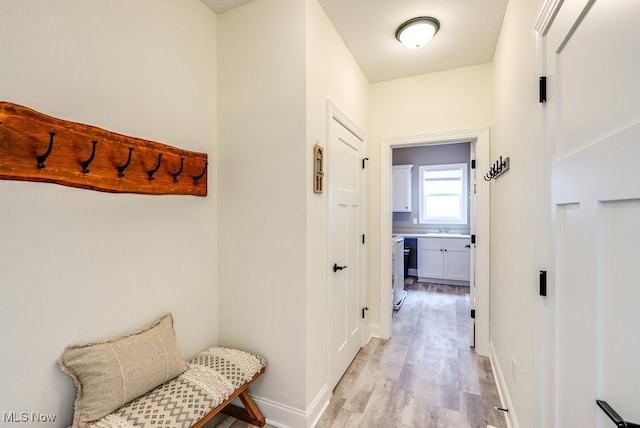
417, 32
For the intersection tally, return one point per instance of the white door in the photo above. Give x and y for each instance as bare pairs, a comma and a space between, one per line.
344, 172
593, 133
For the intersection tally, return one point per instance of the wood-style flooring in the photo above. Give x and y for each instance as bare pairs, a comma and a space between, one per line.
425, 376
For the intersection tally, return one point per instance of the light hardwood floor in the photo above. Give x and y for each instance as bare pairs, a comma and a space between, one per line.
425, 376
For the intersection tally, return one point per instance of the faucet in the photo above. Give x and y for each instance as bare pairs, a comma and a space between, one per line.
442, 229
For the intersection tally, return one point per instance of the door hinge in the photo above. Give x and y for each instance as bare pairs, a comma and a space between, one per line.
473, 164
543, 89
473, 313
363, 239
473, 239
364, 162
543, 283
364, 312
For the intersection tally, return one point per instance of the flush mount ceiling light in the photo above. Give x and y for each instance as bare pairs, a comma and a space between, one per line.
417, 32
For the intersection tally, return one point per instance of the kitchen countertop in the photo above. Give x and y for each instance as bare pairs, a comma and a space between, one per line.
433, 235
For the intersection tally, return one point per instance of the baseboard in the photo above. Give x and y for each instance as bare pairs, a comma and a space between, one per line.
319, 405
283, 416
503, 391
373, 330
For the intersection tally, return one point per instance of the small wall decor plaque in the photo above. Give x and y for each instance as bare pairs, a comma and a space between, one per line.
318, 168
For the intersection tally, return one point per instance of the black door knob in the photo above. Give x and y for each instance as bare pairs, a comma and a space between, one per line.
336, 268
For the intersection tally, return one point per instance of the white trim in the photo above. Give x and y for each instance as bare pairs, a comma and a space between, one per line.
318, 406
543, 352
373, 330
343, 119
481, 138
283, 416
503, 392
547, 14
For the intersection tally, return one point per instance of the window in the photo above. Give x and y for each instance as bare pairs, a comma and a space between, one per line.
443, 193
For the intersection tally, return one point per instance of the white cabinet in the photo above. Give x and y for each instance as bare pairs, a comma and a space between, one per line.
401, 188
443, 258
430, 258
456, 259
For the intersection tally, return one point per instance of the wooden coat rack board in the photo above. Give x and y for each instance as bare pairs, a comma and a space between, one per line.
37, 147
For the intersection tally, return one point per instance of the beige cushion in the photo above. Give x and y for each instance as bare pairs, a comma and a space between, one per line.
109, 374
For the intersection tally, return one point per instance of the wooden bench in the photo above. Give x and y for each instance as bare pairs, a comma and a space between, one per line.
214, 379
141, 380
250, 413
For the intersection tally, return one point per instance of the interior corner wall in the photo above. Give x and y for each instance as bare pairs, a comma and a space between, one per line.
450, 100
332, 75
79, 265
262, 201
515, 249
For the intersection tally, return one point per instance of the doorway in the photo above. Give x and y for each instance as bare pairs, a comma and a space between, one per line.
479, 297
432, 193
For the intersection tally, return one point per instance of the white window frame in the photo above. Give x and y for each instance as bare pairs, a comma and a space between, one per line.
463, 219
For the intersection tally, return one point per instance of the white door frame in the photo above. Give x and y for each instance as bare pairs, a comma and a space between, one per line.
543, 380
481, 138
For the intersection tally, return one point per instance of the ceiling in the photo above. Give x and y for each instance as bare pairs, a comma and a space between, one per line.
468, 33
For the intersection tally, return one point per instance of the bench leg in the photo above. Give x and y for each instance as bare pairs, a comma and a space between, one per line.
250, 414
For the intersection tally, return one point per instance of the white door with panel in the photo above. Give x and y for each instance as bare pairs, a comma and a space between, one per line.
592, 115
344, 177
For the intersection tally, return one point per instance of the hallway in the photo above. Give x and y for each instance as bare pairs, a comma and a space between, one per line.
425, 376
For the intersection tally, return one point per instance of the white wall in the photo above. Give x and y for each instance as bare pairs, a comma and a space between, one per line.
446, 101
78, 265
280, 60
263, 225
515, 236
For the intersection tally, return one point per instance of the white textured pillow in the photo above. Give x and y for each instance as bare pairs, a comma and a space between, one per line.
109, 374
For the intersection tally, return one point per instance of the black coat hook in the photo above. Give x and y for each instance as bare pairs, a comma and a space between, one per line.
497, 169
121, 168
175, 176
614, 416
41, 158
154, 170
197, 178
85, 164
